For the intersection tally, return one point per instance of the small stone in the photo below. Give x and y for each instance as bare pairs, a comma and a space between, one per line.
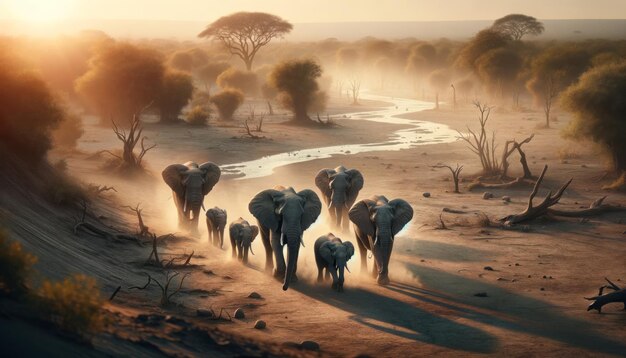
506, 199
544, 276
239, 314
260, 324
426, 194
227, 277
488, 268
542, 289
254, 295
208, 272
310, 346
204, 313
481, 294
529, 276
487, 195
516, 264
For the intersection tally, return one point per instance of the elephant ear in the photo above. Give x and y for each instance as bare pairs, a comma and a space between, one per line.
255, 231
173, 176
312, 207
360, 215
263, 208
212, 175
322, 181
350, 248
233, 231
403, 213
326, 251
356, 184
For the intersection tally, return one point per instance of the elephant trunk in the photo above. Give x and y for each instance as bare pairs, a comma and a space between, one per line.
382, 250
193, 200
293, 248
245, 254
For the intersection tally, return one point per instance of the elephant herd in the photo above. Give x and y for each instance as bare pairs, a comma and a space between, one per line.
283, 214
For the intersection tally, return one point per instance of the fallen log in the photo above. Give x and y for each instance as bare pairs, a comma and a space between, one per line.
619, 295
516, 183
596, 208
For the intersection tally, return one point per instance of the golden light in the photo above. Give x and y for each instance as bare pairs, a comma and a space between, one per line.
39, 10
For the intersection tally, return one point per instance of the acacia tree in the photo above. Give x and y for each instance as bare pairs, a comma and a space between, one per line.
297, 82
121, 80
517, 26
245, 33
597, 101
498, 69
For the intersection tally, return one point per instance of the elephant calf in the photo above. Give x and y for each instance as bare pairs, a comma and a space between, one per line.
242, 234
332, 254
216, 223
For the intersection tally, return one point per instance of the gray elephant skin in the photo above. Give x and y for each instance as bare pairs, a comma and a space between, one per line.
332, 255
242, 234
340, 188
283, 215
190, 182
216, 223
376, 223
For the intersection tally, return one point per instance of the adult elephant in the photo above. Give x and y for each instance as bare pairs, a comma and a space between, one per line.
340, 188
190, 182
376, 223
283, 215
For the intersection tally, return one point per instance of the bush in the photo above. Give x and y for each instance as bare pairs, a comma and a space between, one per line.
73, 304
243, 81
15, 265
197, 116
176, 91
227, 103
299, 91
62, 190
68, 133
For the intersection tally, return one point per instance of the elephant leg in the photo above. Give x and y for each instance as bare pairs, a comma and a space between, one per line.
333, 271
345, 222
320, 269
294, 276
375, 270
383, 272
240, 251
281, 267
362, 253
265, 238
327, 275
221, 238
233, 246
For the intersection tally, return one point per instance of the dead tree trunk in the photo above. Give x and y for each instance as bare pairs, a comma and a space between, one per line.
614, 297
596, 208
130, 140
509, 148
480, 143
531, 211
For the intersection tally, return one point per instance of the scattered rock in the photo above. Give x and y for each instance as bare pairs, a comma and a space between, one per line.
150, 319
529, 276
488, 268
506, 199
348, 152
254, 295
208, 272
487, 195
260, 324
239, 314
426, 194
310, 346
542, 289
227, 277
516, 264
481, 294
204, 313
583, 166
503, 279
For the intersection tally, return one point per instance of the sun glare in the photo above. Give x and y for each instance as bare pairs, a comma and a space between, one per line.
39, 10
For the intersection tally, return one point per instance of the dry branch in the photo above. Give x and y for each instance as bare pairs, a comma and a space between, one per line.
143, 229
619, 295
455, 173
532, 211
596, 208
509, 148
516, 183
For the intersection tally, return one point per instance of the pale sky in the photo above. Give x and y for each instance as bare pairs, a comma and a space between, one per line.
299, 11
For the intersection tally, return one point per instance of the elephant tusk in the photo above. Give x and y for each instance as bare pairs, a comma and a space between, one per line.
301, 241
348, 268
282, 239
203, 208
251, 251
376, 240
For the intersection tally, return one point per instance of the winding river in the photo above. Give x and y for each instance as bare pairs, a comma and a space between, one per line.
419, 133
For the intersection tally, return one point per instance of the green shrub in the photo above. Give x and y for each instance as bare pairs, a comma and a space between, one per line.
197, 116
74, 304
16, 265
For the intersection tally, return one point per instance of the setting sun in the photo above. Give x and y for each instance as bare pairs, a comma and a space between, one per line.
39, 10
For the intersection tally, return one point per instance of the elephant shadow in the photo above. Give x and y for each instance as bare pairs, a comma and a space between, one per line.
404, 320
520, 314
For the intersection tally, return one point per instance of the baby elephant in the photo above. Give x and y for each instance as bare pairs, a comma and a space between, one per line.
216, 223
332, 254
241, 236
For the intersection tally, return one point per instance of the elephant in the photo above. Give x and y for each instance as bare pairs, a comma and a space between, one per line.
339, 187
283, 215
216, 223
376, 223
332, 254
190, 182
242, 234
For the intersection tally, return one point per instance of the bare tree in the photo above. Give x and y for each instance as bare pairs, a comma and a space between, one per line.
354, 88
509, 148
455, 174
166, 296
245, 33
130, 139
480, 144
549, 95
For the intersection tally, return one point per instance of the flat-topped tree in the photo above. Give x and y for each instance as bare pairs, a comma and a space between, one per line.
517, 26
244, 33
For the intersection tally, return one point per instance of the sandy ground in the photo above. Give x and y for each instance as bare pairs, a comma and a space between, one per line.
429, 308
